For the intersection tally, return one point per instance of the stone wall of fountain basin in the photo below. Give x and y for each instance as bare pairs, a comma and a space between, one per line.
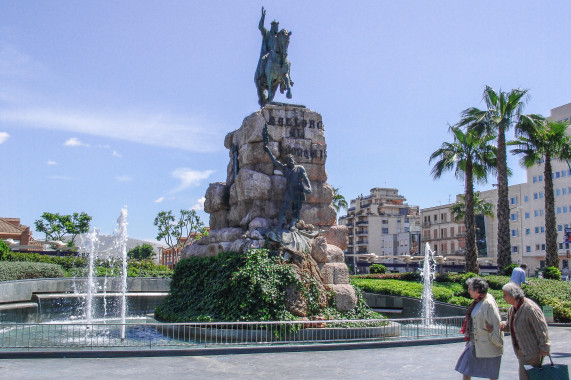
42, 300
408, 307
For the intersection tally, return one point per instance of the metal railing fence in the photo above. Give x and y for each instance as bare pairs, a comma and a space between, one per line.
90, 336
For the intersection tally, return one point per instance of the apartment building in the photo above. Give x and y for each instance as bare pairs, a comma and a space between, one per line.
443, 233
382, 223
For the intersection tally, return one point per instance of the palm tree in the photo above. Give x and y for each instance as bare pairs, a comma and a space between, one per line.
470, 156
502, 110
538, 138
339, 201
481, 207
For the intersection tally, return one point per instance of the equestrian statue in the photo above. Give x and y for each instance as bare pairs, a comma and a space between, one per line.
273, 65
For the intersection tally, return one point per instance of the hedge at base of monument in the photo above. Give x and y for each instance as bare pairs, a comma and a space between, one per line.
258, 285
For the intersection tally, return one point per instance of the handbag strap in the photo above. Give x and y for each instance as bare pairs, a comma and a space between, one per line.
550, 359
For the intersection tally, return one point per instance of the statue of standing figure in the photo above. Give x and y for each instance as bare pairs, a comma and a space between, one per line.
297, 185
273, 68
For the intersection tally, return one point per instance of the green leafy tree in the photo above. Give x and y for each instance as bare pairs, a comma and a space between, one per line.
55, 226
172, 229
471, 156
339, 201
141, 252
537, 138
502, 110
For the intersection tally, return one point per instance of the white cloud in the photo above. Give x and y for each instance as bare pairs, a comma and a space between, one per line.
115, 154
51, 162
158, 129
3, 137
15, 63
199, 205
189, 177
159, 200
123, 178
74, 141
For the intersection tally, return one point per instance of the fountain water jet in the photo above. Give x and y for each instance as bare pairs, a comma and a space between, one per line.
428, 275
121, 244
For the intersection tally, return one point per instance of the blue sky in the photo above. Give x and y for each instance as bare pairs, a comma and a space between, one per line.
106, 104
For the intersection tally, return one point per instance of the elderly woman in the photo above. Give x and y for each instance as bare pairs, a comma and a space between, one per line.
482, 355
530, 336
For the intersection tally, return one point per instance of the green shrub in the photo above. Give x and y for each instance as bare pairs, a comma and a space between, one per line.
233, 287
508, 269
4, 248
378, 269
551, 273
554, 293
496, 282
10, 271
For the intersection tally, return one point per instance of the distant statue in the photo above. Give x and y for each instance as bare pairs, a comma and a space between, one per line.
297, 185
273, 65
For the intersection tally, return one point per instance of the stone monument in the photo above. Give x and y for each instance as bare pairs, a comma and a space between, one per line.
261, 196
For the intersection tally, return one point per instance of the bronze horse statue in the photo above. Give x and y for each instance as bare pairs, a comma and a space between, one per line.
273, 70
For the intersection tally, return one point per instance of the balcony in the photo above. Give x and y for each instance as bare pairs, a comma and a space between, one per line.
362, 242
362, 222
362, 232
366, 205
350, 233
426, 224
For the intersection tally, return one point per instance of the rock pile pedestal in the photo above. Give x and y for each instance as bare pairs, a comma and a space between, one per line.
248, 203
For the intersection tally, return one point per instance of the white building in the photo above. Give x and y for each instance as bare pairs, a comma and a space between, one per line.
383, 224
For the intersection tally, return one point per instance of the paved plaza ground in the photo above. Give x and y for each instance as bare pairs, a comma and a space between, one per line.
417, 362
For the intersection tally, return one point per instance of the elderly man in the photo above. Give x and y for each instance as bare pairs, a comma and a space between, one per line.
528, 328
518, 275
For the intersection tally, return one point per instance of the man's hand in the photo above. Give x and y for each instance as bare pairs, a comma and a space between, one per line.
503, 325
489, 327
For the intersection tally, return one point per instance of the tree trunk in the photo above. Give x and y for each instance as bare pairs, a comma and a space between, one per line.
503, 212
551, 255
470, 222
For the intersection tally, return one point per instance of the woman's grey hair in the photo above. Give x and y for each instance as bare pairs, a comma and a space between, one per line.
513, 290
478, 284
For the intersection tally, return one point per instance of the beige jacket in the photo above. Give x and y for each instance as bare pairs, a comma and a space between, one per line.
530, 329
488, 344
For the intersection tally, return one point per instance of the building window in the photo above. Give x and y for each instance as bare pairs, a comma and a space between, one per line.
534, 179
513, 217
514, 233
541, 195
534, 195
528, 248
513, 200
526, 198
536, 230
564, 191
563, 173
564, 209
559, 210
527, 215
559, 227
543, 247
542, 229
558, 192
557, 174
541, 178
560, 245
385, 221
536, 212
527, 231
385, 230
514, 249
541, 212
541, 263
537, 247
565, 264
